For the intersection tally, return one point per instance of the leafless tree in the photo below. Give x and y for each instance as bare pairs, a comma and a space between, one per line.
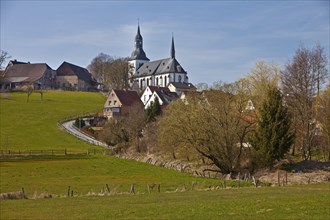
4, 55
215, 124
302, 79
109, 71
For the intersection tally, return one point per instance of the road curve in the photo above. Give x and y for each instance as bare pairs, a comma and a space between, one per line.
70, 128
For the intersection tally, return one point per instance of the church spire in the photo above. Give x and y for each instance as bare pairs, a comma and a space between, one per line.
172, 49
138, 53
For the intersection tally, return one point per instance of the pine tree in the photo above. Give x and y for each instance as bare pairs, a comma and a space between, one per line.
273, 136
153, 110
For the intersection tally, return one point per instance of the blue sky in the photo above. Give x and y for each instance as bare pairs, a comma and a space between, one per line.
214, 40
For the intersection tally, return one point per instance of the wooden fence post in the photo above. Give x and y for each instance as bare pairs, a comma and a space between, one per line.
148, 188
239, 181
286, 177
69, 191
23, 193
254, 182
132, 189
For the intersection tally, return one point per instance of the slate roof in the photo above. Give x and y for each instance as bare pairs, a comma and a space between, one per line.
157, 88
69, 69
158, 67
183, 85
127, 97
25, 72
167, 97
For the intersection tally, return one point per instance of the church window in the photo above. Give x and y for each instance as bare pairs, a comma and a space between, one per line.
161, 81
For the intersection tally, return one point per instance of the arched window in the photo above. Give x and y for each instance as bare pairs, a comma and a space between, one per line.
180, 78
156, 81
161, 81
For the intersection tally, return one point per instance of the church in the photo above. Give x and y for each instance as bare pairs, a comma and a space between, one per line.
143, 72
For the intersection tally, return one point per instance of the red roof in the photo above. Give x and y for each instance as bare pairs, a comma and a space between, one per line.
128, 98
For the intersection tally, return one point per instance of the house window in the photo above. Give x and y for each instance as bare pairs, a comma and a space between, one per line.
114, 102
157, 81
180, 78
165, 79
109, 102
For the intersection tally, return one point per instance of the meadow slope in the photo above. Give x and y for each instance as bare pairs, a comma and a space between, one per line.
33, 125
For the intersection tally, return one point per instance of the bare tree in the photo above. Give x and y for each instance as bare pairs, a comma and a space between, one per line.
322, 109
109, 71
215, 124
4, 55
262, 77
301, 80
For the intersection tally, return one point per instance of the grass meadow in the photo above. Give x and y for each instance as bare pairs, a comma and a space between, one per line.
294, 202
33, 125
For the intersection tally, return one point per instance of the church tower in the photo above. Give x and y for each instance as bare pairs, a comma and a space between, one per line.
138, 56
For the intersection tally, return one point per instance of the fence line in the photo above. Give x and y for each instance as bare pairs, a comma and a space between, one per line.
14, 153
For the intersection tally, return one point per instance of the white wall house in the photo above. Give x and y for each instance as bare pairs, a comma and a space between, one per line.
165, 97
149, 90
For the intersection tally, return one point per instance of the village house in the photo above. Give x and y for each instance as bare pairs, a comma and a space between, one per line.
164, 97
143, 72
149, 90
20, 74
121, 102
73, 77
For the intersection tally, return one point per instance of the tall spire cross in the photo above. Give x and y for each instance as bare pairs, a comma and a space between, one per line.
172, 48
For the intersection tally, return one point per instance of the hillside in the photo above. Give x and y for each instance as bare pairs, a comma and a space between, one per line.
33, 125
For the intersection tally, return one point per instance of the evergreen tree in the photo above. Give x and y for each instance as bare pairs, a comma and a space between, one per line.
153, 110
273, 136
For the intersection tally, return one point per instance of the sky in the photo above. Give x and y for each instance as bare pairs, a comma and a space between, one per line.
214, 40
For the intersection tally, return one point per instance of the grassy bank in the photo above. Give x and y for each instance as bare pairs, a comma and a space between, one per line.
33, 125
92, 173
294, 202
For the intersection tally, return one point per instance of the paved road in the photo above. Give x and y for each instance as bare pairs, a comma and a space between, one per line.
68, 126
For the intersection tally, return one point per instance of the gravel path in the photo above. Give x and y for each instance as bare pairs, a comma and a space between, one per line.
68, 126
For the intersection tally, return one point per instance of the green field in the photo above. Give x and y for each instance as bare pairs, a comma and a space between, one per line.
92, 173
33, 125
298, 202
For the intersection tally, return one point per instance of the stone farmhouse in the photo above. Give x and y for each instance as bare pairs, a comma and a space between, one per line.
73, 77
40, 76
